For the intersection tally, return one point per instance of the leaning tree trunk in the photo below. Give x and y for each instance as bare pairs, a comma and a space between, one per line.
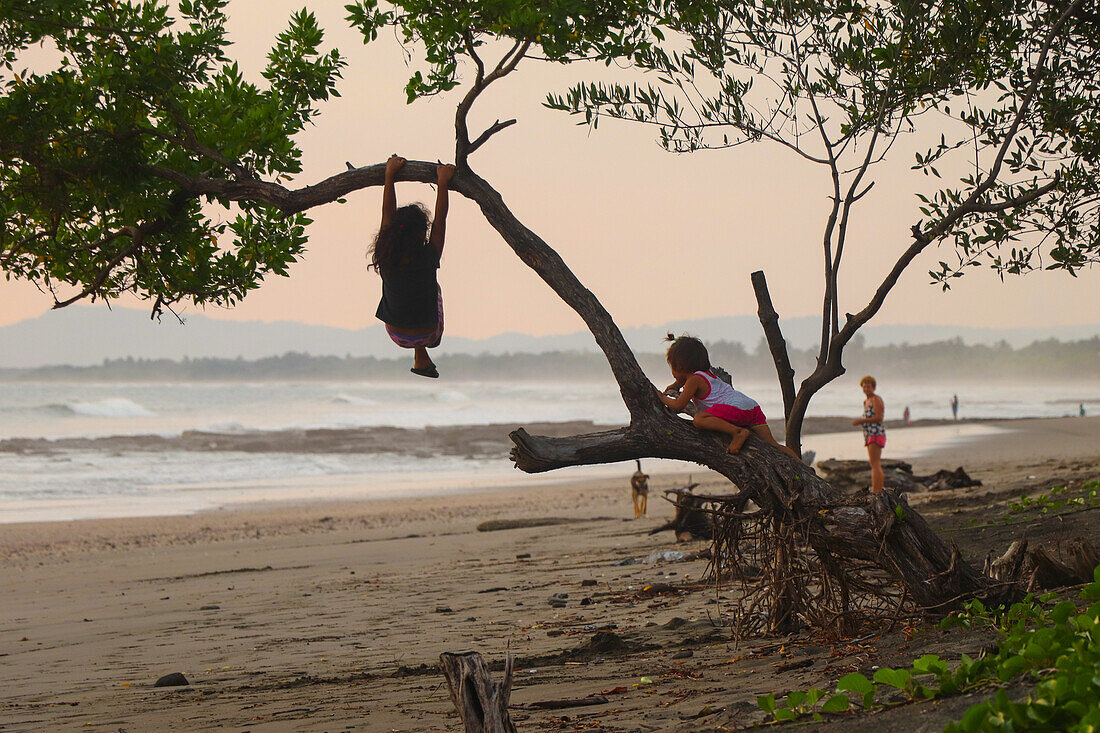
892, 536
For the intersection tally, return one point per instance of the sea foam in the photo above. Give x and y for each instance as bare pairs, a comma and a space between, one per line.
113, 407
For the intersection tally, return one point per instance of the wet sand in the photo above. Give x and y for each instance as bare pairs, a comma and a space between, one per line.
331, 616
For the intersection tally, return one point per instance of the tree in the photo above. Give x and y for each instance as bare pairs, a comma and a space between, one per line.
1012, 87
115, 164
124, 103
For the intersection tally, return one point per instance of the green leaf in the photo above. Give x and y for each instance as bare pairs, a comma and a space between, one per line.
898, 678
835, 704
1062, 611
855, 682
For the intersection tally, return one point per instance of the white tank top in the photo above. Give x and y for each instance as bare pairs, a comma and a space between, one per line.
722, 394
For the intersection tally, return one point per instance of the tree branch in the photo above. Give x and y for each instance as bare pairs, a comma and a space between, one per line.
106, 271
769, 320
505, 66
493, 130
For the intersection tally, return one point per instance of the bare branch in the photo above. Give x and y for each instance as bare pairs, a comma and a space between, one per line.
493, 130
864, 192
468, 40
505, 66
769, 320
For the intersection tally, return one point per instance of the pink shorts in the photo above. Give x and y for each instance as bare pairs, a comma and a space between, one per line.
879, 440
425, 340
736, 416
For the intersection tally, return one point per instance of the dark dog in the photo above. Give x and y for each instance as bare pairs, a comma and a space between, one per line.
639, 491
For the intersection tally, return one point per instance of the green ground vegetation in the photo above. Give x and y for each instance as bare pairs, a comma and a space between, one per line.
1054, 646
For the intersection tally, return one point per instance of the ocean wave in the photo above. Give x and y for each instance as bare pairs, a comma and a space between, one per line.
344, 399
113, 407
229, 428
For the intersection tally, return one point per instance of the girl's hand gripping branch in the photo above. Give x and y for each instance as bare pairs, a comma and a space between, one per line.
389, 196
443, 174
688, 389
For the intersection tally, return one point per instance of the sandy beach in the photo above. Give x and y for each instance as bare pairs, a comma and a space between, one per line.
329, 616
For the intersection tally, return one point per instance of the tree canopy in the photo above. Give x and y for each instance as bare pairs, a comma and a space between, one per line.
120, 122
1010, 87
129, 138
119, 104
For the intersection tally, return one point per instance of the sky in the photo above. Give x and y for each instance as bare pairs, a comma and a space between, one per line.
656, 236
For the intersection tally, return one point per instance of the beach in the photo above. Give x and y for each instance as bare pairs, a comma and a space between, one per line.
331, 615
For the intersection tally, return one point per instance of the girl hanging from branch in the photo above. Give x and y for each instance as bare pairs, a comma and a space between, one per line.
406, 255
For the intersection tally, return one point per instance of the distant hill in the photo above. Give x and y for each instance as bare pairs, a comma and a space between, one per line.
1045, 361
86, 335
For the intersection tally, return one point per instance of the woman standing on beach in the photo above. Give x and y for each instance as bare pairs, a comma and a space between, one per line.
874, 434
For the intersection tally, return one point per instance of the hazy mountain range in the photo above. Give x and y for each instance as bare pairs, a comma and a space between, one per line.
83, 335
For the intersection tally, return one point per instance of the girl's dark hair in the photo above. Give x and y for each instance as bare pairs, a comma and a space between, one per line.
687, 354
396, 245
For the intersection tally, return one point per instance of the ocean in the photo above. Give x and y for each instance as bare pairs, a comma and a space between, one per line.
63, 483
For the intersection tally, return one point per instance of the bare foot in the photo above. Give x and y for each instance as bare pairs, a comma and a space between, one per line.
738, 441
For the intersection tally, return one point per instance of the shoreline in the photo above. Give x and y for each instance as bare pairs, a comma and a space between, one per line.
1014, 441
413, 463
472, 440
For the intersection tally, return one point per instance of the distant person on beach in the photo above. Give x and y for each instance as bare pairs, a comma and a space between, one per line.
905, 415
718, 406
955, 407
874, 434
406, 255
1081, 409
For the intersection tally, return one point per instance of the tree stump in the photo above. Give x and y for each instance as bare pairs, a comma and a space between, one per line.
692, 520
1037, 567
482, 704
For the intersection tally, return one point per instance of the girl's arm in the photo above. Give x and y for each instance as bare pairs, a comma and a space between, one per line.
439, 223
675, 386
389, 196
691, 387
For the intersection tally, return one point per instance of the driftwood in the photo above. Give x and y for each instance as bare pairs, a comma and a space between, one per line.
1037, 568
482, 704
495, 525
577, 702
944, 479
692, 520
852, 476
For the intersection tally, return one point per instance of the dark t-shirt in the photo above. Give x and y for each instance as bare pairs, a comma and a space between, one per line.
410, 293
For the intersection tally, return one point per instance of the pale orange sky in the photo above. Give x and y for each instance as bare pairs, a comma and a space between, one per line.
656, 236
